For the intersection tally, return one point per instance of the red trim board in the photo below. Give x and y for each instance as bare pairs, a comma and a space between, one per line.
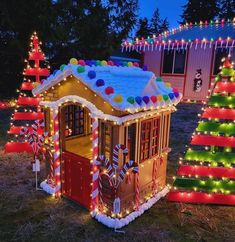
29, 101
27, 86
220, 113
18, 147
17, 129
28, 116
206, 171
213, 140
228, 87
201, 197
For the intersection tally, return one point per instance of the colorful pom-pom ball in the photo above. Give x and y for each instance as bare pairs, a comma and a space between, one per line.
153, 99
175, 90
81, 69
118, 99
73, 61
136, 64
146, 99
171, 95
54, 72
93, 62
176, 94
35, 84
168, 84
124, 63
104, 63
62, 67
109, 90
138, 100
145, 68
98, 63
158, 79
131, 100
88, 62
110, 63
165, 97
100, 83
159, 98
129, 64
82, 62
91, 74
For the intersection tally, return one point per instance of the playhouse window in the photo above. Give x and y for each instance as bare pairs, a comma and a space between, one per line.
106, 139
149, 138
74, 120
174, 61
220, 53
166, 130
130, 134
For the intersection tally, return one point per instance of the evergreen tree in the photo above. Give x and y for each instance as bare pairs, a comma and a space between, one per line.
164, 26
144, 29
227, 9
199, 10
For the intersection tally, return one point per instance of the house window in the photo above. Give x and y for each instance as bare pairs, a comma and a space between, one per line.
149, 138
174, 61
220, 53
74, 120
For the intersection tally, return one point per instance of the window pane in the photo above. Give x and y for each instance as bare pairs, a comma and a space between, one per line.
131, 141
155, 138
219, 55
179, 61
168, 61
145, 140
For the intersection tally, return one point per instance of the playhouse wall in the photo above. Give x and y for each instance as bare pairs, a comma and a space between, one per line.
176, 81
198, 59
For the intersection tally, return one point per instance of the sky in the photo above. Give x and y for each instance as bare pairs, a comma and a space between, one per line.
168, 8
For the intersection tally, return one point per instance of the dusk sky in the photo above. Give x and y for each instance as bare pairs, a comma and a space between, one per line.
168, 8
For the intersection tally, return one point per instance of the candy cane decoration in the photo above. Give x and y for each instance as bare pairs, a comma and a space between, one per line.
95, 170
116, 157
56, 152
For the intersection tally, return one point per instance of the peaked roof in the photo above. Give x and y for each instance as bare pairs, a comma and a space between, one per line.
126, 88
220, 32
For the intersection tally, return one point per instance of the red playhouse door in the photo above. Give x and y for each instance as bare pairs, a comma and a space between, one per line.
77, 178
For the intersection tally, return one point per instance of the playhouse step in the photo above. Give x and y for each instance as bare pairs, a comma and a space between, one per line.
17, 147
29, 101
36, 72
207, 156
210, 185
228, 87
222, 101
213, 141
201, 197
206, 171
224, 128
26, 86
17, 129
219, 113
28, 116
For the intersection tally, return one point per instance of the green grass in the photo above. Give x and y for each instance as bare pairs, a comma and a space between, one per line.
26, 215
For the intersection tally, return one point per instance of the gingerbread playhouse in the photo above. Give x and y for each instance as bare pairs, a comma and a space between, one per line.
109, 127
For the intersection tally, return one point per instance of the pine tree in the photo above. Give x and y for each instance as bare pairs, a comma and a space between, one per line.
27, 106
144, 29
158, 25
227, 9
208, 173
199, 10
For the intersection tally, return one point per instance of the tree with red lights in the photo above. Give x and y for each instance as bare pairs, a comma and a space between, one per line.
27, 106
208, 173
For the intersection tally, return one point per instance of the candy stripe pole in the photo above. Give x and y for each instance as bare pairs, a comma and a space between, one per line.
95, 170
137, 190
56, 152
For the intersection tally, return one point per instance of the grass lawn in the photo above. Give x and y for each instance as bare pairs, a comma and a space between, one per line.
26, 215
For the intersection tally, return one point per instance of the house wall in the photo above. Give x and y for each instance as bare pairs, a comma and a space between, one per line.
199, 58
153, 60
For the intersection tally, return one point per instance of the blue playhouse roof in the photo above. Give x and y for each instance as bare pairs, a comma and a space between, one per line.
204, 31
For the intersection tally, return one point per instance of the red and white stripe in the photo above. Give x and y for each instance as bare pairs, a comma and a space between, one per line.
137, 190
116, 154
95, 170
56, 153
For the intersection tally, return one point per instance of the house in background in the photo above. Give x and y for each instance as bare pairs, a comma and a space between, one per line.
188, 57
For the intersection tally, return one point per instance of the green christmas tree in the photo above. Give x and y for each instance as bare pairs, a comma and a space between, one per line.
207, 173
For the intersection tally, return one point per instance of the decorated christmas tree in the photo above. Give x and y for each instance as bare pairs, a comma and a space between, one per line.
27, 106
208, 173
